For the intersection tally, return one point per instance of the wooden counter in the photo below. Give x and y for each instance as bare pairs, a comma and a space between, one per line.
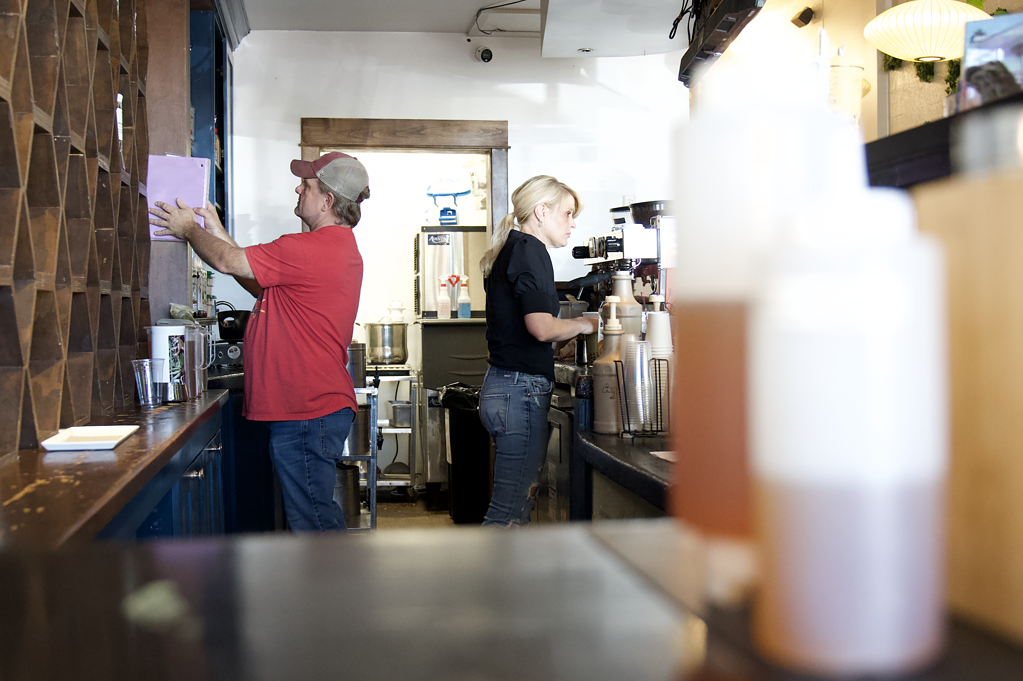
51, 498
572, 602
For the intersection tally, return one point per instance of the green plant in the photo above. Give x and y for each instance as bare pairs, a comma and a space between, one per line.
890, 63
952, 77
925, 71
1000, 11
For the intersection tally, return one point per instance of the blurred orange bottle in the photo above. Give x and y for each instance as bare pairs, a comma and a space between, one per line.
711, 486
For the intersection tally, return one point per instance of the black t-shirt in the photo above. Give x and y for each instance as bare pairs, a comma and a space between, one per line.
520, 282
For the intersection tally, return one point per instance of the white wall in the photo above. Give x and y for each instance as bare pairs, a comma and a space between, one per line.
603, 126
772, 37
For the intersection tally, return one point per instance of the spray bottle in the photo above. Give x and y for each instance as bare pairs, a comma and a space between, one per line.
464, 302
443, 302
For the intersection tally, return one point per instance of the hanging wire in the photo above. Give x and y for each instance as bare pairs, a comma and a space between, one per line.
695, 9
497, 30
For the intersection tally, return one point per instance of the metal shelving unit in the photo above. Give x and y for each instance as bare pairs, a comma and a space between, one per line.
395, 481
368, 521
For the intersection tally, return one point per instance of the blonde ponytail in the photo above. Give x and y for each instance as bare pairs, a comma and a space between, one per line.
497, 240
531, 193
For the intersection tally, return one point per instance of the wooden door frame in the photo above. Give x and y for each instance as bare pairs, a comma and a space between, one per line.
401, 134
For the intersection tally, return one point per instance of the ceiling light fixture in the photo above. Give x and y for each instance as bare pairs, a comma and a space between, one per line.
923, 30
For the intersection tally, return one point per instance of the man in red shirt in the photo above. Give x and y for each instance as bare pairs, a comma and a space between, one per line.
307, 288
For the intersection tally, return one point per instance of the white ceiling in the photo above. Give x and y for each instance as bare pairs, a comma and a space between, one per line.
611, 28
400, 16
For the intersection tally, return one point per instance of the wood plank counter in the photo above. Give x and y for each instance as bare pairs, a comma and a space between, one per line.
51, 498
569, 602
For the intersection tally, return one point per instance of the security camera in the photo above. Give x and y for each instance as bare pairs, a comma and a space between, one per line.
484, 54
804, 17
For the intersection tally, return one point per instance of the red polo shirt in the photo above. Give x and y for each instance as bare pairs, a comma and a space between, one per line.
296, 341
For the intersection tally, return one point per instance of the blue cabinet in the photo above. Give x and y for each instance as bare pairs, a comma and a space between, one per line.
184, 499
194, 506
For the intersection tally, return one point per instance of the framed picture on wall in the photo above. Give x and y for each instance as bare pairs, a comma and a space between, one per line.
992, 66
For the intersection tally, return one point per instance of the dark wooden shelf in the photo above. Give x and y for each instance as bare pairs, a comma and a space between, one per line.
923, 153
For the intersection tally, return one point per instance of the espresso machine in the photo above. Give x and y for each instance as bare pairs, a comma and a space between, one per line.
641, 241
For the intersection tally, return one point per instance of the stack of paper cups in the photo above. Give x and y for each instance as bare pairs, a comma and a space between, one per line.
658, 334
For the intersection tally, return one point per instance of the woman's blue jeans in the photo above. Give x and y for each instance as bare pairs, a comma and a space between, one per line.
513, 408
305, 456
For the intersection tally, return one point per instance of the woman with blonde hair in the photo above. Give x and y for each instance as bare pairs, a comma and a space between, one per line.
522, 322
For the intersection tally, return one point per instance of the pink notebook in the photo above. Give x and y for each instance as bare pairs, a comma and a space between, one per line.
177, 177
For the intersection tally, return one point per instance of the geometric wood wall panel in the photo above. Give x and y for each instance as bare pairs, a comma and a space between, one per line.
72, 295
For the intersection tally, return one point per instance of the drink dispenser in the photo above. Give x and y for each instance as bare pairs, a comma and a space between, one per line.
607, 415
630, 312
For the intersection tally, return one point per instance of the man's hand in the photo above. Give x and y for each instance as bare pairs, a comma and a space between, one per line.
213, 224
176, 221
213, 245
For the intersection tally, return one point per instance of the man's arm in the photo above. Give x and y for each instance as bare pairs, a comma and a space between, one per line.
215, 246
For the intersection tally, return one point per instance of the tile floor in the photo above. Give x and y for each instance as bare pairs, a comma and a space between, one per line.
403, 515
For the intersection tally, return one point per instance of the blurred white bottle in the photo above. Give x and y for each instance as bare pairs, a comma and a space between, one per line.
848, 392
781, 146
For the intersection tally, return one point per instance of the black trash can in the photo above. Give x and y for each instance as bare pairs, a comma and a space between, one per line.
346, 492
469, 472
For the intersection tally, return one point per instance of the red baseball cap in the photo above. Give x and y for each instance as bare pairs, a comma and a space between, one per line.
343, 174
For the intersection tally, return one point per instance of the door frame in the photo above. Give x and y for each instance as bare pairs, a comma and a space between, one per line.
401, 134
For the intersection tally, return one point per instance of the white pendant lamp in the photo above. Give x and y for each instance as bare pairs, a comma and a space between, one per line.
923, 30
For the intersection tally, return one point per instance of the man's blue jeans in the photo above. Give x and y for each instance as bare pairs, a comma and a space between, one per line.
305, 455
513, 408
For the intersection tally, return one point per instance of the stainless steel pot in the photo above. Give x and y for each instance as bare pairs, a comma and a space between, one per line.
385, 343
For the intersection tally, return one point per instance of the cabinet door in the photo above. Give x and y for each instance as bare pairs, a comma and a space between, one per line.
198, 496
213, 488
201, 493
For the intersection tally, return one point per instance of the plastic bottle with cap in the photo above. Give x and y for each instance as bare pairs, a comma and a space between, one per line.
607, 415
396, 311
849, 428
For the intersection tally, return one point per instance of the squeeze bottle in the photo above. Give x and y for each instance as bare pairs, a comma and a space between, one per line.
848, 388
607, 415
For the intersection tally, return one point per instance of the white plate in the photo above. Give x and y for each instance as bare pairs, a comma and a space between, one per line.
84, 438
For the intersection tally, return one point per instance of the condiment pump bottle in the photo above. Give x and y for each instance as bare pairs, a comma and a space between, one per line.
630, 312
607, 415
